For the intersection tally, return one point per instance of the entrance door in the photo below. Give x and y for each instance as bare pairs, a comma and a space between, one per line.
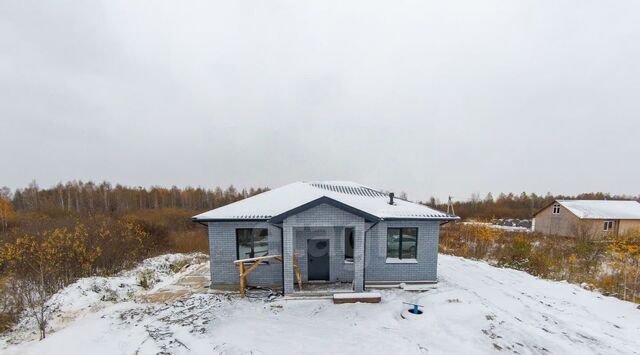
318, 259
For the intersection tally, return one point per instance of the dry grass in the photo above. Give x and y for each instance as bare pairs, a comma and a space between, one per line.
189, 241
577, 260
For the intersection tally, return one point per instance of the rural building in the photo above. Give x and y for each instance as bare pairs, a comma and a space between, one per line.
596, 217
323, 232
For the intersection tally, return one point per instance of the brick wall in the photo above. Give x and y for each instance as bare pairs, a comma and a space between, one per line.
378, 269
222, 249
326, 222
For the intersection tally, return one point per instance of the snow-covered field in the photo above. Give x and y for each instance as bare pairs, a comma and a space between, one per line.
496, 226
475, 309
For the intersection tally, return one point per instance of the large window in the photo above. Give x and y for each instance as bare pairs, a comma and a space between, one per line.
402, 243
252, 242
348, 244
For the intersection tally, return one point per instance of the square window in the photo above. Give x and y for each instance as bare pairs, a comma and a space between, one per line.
556, 208
252, 242
608, 225
402, 243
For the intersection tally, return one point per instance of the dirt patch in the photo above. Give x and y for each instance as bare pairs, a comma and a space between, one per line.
196, 281
162, 296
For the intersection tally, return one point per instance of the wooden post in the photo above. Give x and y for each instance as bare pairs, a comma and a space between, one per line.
257, 261
297, 272
243, 280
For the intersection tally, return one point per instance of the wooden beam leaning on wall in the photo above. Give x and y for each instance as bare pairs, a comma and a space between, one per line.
256, 261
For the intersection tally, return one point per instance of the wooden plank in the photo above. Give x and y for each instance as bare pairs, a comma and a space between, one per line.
257, 261
340, 298
253, 267
356, 300
266, 257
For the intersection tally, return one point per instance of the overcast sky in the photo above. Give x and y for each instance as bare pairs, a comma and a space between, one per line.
427, 97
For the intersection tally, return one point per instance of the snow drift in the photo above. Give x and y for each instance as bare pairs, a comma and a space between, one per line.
475, 309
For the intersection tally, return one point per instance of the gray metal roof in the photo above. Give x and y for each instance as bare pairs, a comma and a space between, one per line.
355, 197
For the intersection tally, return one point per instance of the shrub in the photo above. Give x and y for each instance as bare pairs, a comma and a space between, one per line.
540, 264
146, 278
177, 266
109, 295
38, 261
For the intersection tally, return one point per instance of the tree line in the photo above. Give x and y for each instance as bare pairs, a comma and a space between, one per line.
89, 198
521, 206
49, 237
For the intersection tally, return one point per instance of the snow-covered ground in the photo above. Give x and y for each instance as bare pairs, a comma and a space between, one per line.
474, 309
496, 226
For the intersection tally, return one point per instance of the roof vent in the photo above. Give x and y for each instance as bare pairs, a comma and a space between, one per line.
391, 198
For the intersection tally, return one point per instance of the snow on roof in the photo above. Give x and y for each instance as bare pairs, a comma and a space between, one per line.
283, 199
602, 209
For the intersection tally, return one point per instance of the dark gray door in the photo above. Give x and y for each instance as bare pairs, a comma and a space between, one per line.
318, 256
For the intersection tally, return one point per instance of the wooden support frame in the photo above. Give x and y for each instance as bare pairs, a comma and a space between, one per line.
296, 270
257, 261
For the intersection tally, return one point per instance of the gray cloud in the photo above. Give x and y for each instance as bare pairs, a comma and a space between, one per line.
426, 97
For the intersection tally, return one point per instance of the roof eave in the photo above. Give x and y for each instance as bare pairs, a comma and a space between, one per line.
194, 219
453, 218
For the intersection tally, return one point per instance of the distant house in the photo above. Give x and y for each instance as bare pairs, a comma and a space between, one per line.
571, 217
335, 231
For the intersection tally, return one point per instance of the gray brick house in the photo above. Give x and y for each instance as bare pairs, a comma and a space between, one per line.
338, 231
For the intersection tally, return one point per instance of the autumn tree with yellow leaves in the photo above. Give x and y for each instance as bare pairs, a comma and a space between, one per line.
6, 211
35, 266
626, 252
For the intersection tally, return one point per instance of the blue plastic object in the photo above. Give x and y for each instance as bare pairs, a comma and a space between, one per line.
415, 309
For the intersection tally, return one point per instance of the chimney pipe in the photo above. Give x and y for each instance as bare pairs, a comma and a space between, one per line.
391, 198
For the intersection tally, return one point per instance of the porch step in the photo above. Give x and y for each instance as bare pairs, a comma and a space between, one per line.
328, 294
308, 296
407, 286
355, 297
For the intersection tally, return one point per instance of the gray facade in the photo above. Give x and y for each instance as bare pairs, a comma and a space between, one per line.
223, 252
378, 268
298, 227
328, 223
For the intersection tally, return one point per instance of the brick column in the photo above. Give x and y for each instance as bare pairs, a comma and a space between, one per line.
358, 258
212, 252
287, 257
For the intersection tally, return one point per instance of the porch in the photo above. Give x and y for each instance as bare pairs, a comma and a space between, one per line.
328, 259
310, 288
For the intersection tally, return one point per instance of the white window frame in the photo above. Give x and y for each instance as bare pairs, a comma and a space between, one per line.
556, 208
608, 226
